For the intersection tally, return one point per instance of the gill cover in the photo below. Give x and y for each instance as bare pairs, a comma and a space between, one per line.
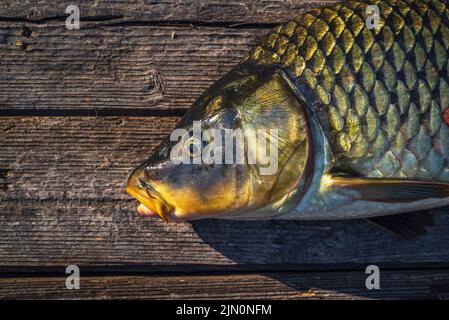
274, 105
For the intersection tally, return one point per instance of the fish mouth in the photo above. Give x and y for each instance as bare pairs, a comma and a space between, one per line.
146, 194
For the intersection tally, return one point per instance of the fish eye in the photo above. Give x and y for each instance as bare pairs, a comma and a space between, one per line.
194, 148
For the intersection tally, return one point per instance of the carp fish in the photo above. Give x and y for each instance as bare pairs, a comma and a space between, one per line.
355, 96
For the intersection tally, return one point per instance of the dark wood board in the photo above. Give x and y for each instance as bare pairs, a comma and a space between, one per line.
281, 285
118, 61
109, 233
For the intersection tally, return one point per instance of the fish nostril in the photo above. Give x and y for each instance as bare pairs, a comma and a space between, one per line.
143, 184
147, 187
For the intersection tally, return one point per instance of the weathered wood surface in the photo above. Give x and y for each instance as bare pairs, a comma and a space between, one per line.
110, 64
62, 177
282, 285
110, 67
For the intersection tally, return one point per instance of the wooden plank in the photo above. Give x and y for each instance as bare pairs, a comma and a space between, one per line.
130, 65
109, 67
243, 11
74, 157
103, 232
314, 285
63, 201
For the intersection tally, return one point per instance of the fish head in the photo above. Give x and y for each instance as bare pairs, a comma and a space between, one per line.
242, 151
177, 190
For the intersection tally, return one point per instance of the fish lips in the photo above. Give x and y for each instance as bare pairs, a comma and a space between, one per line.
146, 194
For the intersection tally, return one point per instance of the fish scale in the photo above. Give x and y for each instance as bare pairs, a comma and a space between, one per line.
383, 91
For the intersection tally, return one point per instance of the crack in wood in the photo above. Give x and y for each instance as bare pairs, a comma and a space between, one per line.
110, 112
114, 21
206, 269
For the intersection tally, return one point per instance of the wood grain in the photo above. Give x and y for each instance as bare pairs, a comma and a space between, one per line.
243, 11
63, 202
62, 178
311, 285
134, 56
114, 67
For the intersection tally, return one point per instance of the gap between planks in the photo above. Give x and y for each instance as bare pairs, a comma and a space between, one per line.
213, 270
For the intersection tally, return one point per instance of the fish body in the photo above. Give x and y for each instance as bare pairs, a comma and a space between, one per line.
380, 94
361, 112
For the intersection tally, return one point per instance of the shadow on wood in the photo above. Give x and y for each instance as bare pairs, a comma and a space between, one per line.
351, 242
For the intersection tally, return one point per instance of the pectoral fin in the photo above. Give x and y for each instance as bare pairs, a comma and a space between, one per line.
392, 190
407, 225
